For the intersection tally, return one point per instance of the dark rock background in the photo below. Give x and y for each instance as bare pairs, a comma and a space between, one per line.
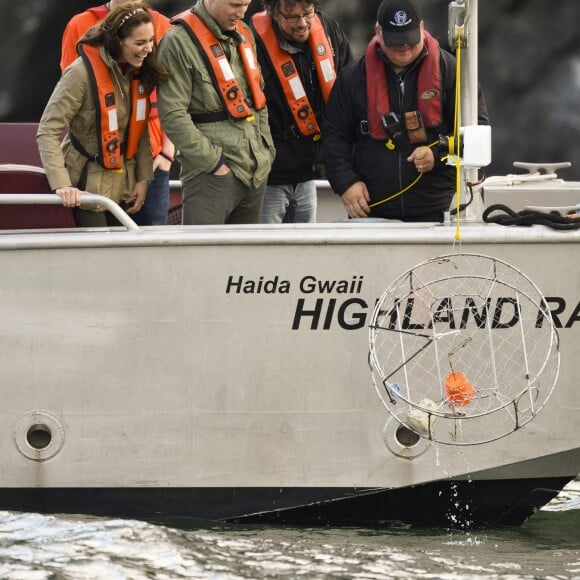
529, 65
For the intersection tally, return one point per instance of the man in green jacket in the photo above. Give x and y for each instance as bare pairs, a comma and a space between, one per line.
214, 111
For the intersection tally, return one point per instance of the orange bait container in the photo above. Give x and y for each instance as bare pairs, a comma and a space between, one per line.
458, 390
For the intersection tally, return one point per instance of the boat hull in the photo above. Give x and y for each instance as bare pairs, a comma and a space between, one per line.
463, 504
222, 373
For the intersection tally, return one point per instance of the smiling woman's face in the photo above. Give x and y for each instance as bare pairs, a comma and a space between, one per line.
138, 45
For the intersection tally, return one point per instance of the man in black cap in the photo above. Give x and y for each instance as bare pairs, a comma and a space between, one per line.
384, 118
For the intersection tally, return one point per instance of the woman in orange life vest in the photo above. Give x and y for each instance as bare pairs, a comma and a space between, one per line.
102, 101
156, 207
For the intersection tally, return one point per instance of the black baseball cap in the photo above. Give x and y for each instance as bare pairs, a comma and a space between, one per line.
400, 22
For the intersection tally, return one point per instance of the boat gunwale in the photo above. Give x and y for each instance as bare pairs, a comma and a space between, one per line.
284, 235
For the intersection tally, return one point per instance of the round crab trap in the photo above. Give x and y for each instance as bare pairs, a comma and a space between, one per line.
463, 349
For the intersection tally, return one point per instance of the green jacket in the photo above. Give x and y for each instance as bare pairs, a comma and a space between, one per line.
246, 146
71, 107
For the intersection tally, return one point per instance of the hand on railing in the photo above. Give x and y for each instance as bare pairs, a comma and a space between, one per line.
87, 201
71, 196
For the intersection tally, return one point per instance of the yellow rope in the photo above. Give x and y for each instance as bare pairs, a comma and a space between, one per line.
398, 193
412, 184
457, 136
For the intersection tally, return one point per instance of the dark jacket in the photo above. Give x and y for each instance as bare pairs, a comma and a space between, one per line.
298, 158
352, 155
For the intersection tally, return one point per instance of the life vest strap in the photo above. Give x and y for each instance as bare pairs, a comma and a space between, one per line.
77, 145
94, 158
289, 134
215, 117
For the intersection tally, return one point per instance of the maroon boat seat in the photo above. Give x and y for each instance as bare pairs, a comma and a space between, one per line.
18, 143
16, 178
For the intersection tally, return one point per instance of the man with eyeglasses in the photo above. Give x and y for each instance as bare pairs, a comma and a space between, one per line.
300, 50
384, 118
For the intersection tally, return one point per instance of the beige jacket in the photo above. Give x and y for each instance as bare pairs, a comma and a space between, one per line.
71, 107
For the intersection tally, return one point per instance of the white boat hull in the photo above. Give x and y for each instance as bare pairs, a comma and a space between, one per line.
222, 373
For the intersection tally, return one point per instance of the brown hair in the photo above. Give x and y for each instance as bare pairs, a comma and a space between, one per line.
272, 7
118, 25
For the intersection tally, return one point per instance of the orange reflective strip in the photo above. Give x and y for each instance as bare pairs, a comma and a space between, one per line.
140, 109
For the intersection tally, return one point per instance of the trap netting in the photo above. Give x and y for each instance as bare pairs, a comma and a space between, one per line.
463, 349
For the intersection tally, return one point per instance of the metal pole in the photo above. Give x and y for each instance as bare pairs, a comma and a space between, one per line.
463, 14
470, 84
469, 77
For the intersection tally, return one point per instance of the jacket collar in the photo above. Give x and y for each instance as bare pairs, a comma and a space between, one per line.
209, 21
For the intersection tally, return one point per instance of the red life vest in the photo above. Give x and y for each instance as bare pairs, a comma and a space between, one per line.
110, 142
288, 76
429, 87
225, 82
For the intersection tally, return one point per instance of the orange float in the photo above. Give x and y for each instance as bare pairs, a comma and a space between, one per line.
458, 389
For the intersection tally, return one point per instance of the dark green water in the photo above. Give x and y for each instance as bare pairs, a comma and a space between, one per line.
38, 547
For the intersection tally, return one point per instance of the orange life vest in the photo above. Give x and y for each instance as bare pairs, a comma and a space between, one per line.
429, 87
225, 82
288, 77
100, 12
110, 142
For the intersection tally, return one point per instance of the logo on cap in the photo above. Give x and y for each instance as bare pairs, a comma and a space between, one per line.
401, 19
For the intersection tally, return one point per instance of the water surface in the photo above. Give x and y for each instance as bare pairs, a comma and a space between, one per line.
38, 547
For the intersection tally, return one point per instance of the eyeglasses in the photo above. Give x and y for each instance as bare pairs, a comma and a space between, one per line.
294, 18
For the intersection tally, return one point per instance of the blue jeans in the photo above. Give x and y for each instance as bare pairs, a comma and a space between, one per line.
156, 206
289, 203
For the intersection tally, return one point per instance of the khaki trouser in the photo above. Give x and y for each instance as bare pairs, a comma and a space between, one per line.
221, 199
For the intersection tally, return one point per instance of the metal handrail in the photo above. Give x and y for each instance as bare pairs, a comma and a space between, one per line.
88, 201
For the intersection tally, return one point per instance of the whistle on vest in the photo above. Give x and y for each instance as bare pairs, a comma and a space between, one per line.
397, 133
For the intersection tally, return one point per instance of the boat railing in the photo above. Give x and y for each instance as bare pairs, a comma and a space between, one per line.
88, 201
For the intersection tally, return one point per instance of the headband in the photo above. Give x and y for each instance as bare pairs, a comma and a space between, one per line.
128, 16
